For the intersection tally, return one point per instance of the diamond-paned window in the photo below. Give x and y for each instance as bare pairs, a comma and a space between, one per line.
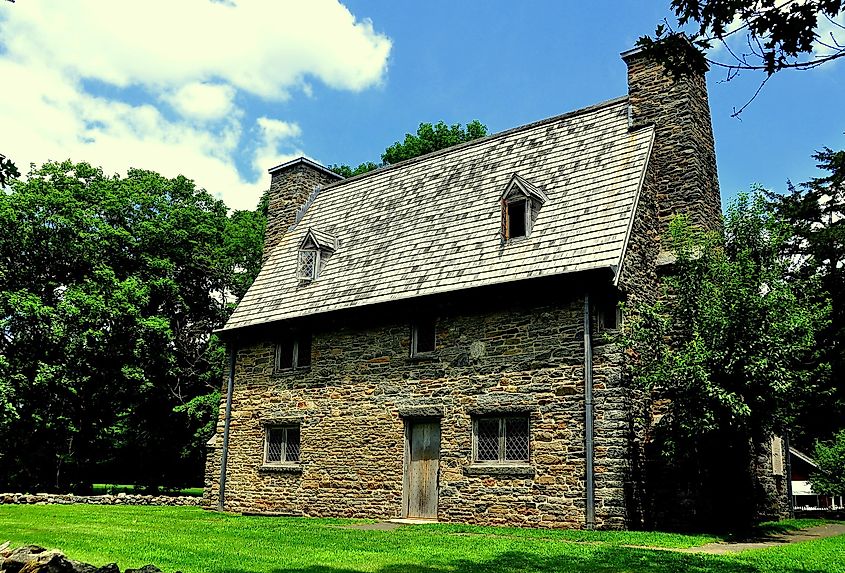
308, 265
281, 444
501, 439
487, 440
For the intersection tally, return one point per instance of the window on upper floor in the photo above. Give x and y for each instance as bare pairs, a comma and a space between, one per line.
608, 315
423, 337
281, 444
315, 250
521, 203
309, 262
501, 439
519, 216
293, 352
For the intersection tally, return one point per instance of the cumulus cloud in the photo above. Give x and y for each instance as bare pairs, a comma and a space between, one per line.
203, 101
67, 69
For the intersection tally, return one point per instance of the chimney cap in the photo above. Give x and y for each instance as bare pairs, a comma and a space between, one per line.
308, 163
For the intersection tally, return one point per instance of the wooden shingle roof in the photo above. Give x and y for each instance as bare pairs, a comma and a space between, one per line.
432, 224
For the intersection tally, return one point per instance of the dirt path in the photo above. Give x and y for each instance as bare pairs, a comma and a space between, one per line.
817, 532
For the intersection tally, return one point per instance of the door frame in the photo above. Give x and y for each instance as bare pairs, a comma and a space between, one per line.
406, 464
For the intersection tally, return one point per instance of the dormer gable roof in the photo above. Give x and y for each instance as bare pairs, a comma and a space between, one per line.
315, 239
519, 185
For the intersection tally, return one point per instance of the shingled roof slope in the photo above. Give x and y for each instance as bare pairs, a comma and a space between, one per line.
432, 224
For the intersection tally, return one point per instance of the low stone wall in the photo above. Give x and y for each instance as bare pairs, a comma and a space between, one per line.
119, 499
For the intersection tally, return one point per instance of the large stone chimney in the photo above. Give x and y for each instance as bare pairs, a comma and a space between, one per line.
683, 160
291, 184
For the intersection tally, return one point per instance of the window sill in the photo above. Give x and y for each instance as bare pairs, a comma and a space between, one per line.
423, 356
291, 371
287, 468
507, 469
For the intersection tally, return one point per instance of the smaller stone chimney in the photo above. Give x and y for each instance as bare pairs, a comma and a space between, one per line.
291, 184
683, 160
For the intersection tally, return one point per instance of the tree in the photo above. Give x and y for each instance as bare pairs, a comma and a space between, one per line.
725, 350
428, 138
8, 171
829, 479
778, 35
815, 214
110, 289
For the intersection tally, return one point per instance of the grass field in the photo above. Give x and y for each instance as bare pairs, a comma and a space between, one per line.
194, 541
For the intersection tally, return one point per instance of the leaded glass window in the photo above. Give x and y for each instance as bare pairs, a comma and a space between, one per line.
502, 439
281, 444
308, 265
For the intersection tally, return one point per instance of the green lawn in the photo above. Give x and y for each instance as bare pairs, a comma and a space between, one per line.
194, 541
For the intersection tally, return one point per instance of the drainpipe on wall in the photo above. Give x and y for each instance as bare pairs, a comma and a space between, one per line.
589, 486
224, 455
788, 476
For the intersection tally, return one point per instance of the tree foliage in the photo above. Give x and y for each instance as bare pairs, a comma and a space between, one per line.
829, 479
110, 288
428, 138
815, 215
778, 34
8, 171
727, 348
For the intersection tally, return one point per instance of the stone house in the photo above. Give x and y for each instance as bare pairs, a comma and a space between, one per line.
427, 340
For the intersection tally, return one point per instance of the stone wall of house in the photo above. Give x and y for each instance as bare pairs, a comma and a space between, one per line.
350, 404
290, 188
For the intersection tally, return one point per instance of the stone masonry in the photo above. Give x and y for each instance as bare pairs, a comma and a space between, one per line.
351, 404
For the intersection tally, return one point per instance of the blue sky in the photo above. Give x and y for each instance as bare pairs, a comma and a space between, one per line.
221, 91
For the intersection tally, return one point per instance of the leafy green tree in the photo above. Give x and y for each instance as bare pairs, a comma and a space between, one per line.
815, 214
8, 171
778, 35
725, 350
348, 171
829, 479
428, 138
110, 288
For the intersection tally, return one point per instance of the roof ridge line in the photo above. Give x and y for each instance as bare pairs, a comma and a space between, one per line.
453, 148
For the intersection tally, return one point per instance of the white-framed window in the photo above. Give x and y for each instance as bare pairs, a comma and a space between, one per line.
281, 444
293, 352
309, 264
501, 439
423, 337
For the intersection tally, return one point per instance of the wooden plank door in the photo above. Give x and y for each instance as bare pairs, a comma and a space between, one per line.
422, 468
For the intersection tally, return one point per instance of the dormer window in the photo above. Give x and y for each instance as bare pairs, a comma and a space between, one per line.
521, 202
519, 217
309, 262
314, 251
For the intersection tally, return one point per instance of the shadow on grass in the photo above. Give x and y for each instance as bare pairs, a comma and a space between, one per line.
609, 560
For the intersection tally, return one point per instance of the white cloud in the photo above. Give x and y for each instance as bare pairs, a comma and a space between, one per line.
273, 135
192, 57
203, 101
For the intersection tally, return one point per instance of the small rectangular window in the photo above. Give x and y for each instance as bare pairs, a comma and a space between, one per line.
423, 338
501, 439
517, 219
609, 315
308, 265
281, 444
293, 352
